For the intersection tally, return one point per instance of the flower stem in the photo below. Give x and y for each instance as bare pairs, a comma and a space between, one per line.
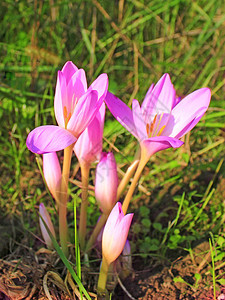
126, 178
96, 231
103, 276
85, 168
63, 197
137, 175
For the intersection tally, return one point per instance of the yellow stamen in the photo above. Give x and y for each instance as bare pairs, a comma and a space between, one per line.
161, 130
66, 117
147, 129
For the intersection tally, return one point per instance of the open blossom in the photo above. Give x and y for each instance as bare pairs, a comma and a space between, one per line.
106, 182
162, 118
46, 217
75, 107
52, 172
88, 147
115, 233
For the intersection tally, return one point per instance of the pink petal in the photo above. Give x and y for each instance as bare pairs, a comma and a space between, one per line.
121, 112
76, 88
68, 70
52, 172
158, 143
139, 120
188, 112
60, 99
49, 138
47, 219
88, 147
160, 99
84, 112
101, 86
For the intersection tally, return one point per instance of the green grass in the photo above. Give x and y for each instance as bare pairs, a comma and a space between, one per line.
135, 42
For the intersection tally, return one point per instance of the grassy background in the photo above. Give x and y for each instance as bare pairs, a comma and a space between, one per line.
135, 42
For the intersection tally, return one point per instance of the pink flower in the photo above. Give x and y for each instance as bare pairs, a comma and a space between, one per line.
88, 147
115, 233
162, 118
45, 216
106, 182
75, 107
52, 173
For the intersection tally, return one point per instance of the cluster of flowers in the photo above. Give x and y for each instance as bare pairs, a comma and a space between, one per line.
158, 124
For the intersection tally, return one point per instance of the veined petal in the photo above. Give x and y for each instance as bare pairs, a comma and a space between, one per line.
49, 138
68, 70
139, 120
60, 99
155, 144
100, 85
189, 111
84, 112
121, 112
76, 88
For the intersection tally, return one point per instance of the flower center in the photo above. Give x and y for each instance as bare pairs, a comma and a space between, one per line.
154, 129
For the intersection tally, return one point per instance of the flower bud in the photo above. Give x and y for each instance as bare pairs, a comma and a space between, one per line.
46, 217
52, 173
115, 233
106, 182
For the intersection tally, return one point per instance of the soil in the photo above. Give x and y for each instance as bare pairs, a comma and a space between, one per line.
165, 283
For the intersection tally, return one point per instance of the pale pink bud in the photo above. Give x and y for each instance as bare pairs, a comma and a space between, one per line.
115, 233
52, 172
126, 257
106, 182
46, 217
88, 147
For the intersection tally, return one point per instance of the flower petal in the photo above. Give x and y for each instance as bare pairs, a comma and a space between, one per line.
60, 99
139, 120
68, 70
188, 112
160, 99
155, 144
49, 138
100, 85
76, 88
121, 112
84, 112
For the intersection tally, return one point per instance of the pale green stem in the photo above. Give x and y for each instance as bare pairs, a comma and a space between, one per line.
85, 168
126, 178
103, 276
96, 231
63, 197
143, 161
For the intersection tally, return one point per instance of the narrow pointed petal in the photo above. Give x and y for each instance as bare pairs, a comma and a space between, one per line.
189, 111
77, 87
52, 173
68, 70
121, 112
155, 144
160, 99
84, 112
49, 138
139, 121
60, 99
100, 85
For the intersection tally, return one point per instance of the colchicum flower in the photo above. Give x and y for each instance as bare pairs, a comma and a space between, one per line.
88, 147
52, 173
162, 118
46, 217
75, 107
106, 182
115, 233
